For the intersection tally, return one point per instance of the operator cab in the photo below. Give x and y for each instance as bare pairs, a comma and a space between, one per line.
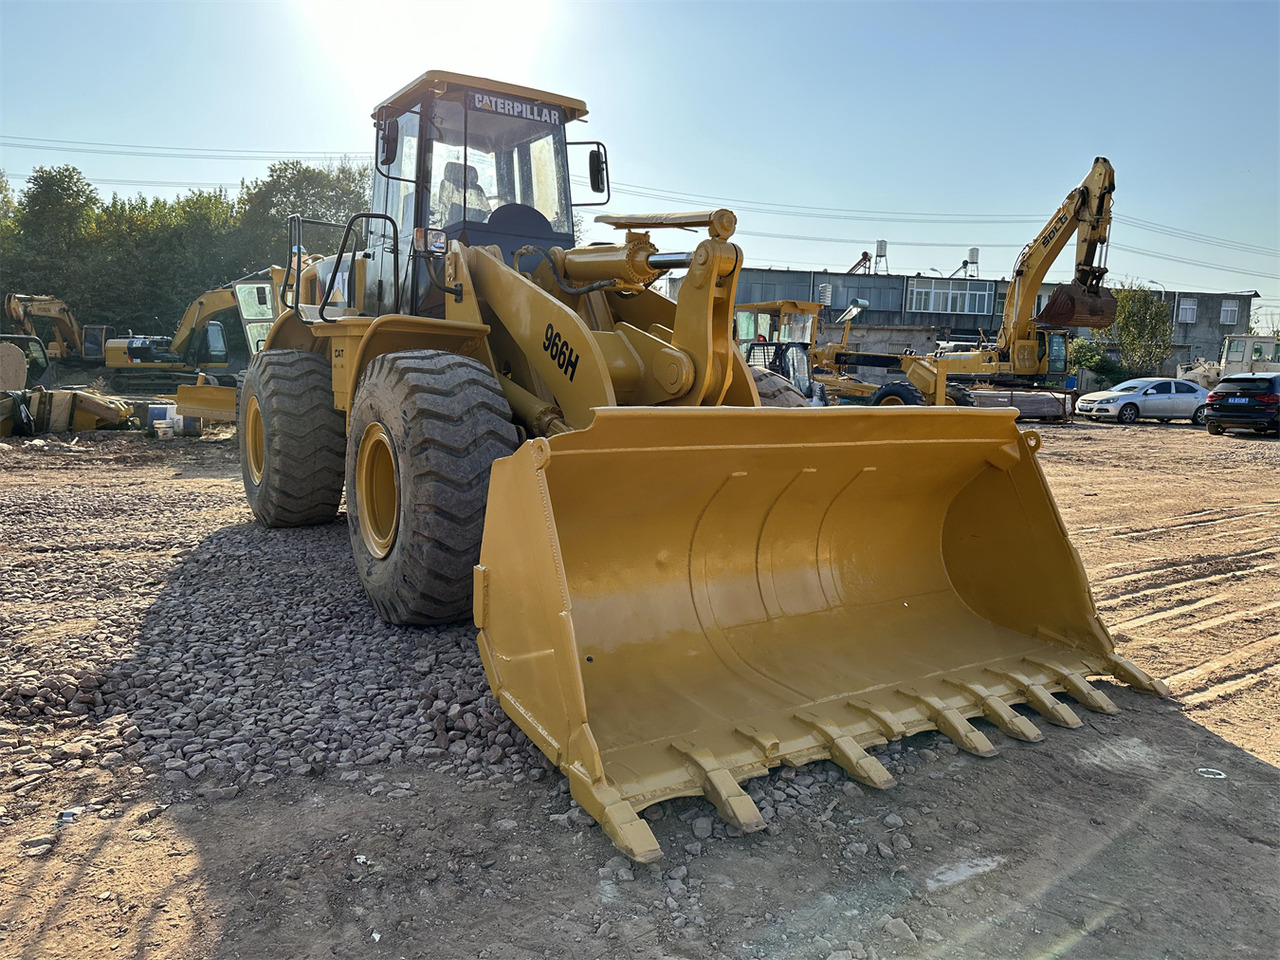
461, 158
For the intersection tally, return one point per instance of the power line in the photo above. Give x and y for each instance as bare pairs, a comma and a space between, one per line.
140, 183
171, 153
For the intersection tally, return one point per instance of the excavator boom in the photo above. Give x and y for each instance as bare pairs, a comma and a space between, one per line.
1086, 214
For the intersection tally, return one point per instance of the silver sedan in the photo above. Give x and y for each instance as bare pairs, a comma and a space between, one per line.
1147, 398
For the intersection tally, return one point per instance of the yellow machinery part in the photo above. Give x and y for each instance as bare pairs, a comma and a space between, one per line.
206, 402
672, 601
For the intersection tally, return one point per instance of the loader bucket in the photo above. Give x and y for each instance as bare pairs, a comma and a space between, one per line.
673, 601
1072, 305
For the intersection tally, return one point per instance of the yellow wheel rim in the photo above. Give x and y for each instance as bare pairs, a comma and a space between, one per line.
892, 402
254, 444
377, 493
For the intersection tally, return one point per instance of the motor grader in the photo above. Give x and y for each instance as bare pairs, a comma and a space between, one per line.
676, 589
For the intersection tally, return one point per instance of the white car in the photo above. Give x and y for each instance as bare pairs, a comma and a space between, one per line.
1147, 398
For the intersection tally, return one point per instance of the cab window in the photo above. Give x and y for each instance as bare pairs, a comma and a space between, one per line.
1235, 349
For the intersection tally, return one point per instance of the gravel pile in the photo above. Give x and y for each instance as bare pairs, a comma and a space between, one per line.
255, 655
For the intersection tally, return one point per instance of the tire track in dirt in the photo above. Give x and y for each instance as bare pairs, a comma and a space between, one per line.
1188, 680
1123, 598
1177, 610
1198, 561
1228, 618
1128, 530
1218, 691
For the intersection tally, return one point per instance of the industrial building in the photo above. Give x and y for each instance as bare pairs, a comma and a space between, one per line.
919, 311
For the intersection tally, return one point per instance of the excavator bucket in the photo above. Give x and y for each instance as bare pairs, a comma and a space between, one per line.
673, 601
1072, 305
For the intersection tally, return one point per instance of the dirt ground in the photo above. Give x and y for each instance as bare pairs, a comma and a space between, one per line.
1152, 833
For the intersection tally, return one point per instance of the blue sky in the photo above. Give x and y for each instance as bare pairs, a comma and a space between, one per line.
956, 112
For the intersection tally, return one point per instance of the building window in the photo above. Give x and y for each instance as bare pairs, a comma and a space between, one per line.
1230, 312
927, 295
1187, 310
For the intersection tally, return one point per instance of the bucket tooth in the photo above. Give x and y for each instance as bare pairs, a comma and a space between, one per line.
767, 743
1001, 714
629, 833
1042, 701
890, 725
1077, 687
848, 755
1135, 677
719, 786
950, 722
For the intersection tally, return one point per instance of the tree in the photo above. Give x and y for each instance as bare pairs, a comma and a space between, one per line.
1088, 355
332, 193
1143, 330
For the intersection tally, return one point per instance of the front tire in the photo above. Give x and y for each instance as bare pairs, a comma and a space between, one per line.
1128, 414
776, 390
292, 440
898, 393
958, 396
425, 429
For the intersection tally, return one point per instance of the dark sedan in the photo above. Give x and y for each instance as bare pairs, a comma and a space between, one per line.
1245, 401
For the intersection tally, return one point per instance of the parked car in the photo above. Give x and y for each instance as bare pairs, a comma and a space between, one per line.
1147, 398
1245, 401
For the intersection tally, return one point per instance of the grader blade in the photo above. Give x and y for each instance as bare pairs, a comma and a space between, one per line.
673, 601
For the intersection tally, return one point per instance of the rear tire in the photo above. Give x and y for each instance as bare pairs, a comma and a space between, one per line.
292, 439
426, 427
899, 393
1214, 428
776, 391
1197, 418
1128, 414
958, 396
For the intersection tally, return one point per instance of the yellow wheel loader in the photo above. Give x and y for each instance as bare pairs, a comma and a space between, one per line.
676, 588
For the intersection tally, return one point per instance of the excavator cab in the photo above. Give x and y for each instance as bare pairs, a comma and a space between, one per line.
455, 162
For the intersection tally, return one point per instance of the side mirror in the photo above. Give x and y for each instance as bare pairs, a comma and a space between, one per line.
390, 142
598, 172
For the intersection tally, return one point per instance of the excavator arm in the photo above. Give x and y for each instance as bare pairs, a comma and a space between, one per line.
196, 317
68, 337
1086, 213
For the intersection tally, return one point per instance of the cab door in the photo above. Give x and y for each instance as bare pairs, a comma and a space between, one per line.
395, 194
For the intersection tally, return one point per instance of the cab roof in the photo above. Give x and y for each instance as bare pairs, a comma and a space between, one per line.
441, 81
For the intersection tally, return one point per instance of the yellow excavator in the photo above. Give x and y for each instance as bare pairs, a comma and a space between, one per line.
67, 341
676, 588
1028, 348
